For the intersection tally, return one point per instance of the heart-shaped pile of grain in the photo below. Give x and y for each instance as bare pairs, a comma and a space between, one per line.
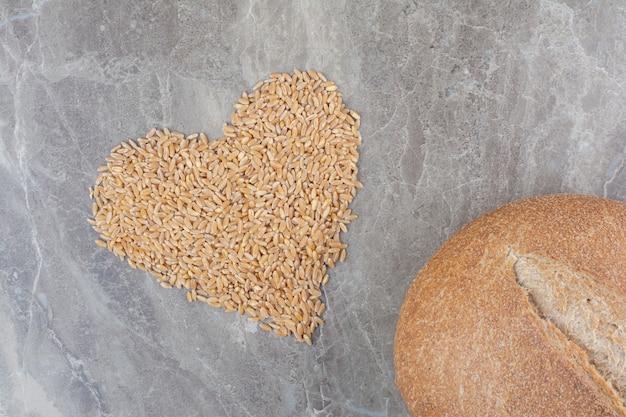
248, 222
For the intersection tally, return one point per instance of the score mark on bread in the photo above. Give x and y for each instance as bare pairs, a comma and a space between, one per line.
581, 308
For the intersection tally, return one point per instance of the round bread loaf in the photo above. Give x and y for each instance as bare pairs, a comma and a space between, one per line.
521, 313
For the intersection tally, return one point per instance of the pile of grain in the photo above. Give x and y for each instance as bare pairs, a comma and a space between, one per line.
248, 222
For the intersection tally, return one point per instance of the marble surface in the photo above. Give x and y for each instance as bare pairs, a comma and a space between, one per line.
464, 105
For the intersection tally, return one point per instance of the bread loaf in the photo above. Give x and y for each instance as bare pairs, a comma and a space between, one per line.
521, 313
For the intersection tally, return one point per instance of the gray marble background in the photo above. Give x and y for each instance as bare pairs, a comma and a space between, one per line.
465, 105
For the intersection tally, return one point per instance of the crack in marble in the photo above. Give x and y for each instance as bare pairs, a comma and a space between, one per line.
219, 398
617, 165
165, 100
11, 19
23, 174
77, 368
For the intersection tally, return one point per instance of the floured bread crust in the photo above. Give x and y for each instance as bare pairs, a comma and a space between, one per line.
497, 322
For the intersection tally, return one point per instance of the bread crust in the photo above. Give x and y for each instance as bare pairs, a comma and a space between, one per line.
468, 340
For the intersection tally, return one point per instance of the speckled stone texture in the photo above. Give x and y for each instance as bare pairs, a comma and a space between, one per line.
465, 105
